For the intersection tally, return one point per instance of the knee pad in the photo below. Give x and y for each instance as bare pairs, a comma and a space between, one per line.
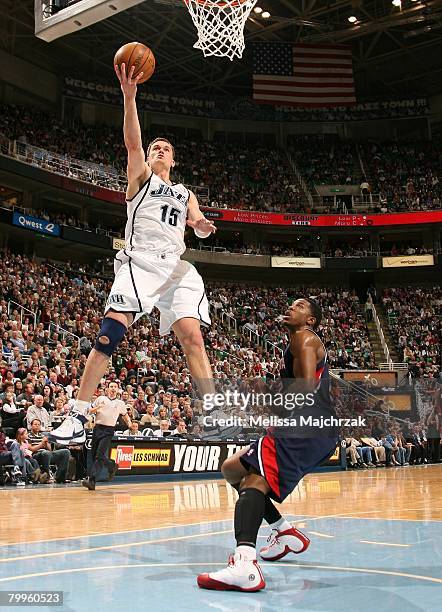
114, 331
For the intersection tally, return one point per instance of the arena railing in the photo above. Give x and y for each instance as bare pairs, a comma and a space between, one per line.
103, 175
64, 333
392, 366
9, 358
5, 145
426, 390
380, 332
226, 318
22, 311
109, 177
261, 341
300, 179
364, 203
100, 174
245, 331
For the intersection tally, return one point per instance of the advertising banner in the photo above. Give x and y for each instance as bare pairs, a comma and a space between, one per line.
239, 107
228, 215
147, 456
306, 220
296, 262
35, 224
407, 261
372, 379
397, 402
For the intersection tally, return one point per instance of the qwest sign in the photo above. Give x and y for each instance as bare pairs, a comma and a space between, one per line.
35, 224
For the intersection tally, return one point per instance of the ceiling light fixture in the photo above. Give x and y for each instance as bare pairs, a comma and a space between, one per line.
352, 19
257, 10
265, 15
396, 2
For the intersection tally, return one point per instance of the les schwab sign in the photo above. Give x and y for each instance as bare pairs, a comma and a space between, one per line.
143, 457
176, 458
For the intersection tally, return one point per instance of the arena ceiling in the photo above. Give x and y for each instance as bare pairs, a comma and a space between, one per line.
396, 50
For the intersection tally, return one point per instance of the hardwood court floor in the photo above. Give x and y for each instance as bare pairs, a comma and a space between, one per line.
376, 536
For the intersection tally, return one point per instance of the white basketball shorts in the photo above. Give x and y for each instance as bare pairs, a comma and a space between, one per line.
144, 280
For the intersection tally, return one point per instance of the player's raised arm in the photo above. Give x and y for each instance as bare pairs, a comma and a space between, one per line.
138, 170
195, 218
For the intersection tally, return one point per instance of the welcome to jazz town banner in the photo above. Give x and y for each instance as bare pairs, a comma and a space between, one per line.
108, 92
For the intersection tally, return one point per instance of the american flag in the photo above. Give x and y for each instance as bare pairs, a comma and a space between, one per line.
301, 74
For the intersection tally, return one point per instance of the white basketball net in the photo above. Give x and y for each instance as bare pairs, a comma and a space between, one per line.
220, 25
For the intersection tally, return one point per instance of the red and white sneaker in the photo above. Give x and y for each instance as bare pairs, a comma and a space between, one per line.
281, 543
240, 575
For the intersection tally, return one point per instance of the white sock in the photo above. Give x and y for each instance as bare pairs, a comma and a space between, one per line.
281, 525
246, 552
81, 406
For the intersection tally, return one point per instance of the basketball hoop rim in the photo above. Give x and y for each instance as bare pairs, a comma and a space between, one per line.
214, 3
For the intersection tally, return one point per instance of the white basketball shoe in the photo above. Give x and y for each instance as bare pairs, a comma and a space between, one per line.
240, 575
281, 543
70, 431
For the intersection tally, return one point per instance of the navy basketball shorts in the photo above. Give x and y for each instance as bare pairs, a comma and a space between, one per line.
283, 462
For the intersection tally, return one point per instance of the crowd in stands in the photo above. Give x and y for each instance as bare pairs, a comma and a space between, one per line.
238, 177
307, 246
302, 246
414, 319
405, 175
386, 441
41, 365
98, 143
42, 359
325, 160
70, 219
343, 328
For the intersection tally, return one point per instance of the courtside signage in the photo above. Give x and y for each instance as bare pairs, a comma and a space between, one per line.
127, 457
35, 224
140, 456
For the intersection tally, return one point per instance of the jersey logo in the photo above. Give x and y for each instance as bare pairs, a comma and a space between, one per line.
116, 299
167, 191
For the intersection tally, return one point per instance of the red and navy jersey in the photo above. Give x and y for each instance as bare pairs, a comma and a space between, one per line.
322, 391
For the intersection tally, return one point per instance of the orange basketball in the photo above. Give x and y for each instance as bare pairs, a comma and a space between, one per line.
138, 55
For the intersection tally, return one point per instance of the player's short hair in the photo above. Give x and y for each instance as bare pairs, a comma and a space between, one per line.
162, 140
316, 311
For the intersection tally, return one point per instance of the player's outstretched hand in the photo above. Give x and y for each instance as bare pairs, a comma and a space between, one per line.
127, 81
202, 225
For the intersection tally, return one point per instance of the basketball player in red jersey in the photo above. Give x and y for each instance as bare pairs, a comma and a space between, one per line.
272, 467
149, 271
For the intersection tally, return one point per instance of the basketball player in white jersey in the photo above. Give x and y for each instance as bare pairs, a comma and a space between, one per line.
149, 271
